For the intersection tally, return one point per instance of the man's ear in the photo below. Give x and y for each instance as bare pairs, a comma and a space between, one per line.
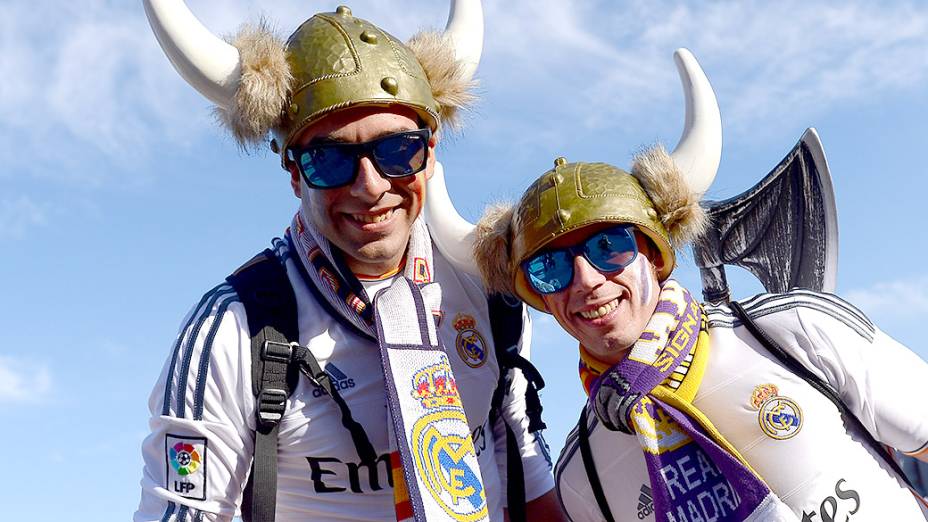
650, 250
656, 258
295, 180
544, 301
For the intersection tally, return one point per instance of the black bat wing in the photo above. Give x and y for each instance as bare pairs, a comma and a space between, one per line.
783, 230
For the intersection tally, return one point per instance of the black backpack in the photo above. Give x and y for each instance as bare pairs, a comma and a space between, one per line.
277, 361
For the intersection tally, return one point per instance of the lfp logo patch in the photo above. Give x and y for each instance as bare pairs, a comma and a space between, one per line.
780, 418
444, 455
471, 346
185, 458
186, 466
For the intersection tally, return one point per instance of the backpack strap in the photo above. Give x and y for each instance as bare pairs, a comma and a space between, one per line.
277, 360
825, 389
270, 305
589, 465
506, 326
310, 367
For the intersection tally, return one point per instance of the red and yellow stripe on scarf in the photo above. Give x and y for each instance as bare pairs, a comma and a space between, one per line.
400, 491
590, 369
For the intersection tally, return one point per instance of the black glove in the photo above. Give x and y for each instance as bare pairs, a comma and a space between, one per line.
612, 401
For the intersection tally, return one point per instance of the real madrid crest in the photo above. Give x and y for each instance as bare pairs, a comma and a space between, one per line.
443, 455
779, 417
656, 429
471, 346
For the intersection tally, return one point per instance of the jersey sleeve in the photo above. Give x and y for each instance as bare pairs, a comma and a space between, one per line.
880, 380
536, 461
198, 453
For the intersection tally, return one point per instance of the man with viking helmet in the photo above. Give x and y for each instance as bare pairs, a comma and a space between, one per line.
699, 412
349, 372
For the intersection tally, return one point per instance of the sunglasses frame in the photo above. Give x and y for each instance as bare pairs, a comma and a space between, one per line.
579, 249
359, 150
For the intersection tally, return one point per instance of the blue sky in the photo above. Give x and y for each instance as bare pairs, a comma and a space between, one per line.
121, 201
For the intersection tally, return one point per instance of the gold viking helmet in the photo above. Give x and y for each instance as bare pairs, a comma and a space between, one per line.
338, 61
261, 84
660, 196
575, 195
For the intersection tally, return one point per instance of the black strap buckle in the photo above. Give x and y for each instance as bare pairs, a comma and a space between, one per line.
277, 352
272, 403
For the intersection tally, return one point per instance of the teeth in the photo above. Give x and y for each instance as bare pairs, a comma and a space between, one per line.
376, 218
601, 311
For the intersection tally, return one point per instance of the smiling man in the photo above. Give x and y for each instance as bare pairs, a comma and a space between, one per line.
349, 372
771, 409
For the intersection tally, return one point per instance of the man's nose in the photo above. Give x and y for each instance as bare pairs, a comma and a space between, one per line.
586, 276
369, 185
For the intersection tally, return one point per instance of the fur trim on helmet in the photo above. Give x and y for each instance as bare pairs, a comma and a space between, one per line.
264, 86
492, 248
451, 91
676, 205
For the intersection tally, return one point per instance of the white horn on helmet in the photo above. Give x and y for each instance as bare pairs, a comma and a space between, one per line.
452, 234
699, 151
207, 62
465, 26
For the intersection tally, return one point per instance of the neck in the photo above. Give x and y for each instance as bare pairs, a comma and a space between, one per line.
376, 276
376, 269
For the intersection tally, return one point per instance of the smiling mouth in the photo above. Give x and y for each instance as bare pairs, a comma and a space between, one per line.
596, 313
367, 219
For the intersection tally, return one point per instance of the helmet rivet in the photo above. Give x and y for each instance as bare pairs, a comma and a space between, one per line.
275, 148
389, 84
651, 213
294, 108
343, 10
369, 37
560, 162
563, 215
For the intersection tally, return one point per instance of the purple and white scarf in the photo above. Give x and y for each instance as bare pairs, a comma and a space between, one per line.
436, 474
695, 473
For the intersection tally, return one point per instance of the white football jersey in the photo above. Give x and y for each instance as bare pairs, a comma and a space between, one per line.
199, 453
822, 470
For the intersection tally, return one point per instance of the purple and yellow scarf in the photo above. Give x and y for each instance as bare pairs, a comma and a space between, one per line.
695, 473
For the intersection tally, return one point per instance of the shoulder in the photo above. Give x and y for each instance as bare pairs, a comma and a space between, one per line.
468, 286
570, 452
614, 462
212, 350
796, 310
219, 309
570, 478
207, 353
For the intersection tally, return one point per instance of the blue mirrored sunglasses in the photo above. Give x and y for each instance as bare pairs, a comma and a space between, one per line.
333, 165
608, 250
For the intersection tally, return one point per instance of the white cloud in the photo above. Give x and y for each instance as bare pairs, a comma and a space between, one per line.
22, 381
96, 87
92, 71
896, 300
608, 61
19, 215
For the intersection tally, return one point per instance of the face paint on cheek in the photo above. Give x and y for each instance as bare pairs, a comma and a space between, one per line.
645, 281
